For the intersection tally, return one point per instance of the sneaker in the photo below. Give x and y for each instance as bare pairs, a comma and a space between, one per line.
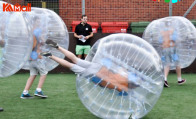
46, 54
166, 84
52, 43
40, 94
1, 109
26, 96
182, 82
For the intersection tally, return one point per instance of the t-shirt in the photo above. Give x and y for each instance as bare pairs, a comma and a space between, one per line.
37, 33
84, 30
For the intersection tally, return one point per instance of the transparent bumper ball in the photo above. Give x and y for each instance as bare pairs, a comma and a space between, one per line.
1, 5
174, 38
129, 80
15, 40
46, 24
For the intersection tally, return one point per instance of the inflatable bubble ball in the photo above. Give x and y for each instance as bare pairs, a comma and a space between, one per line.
129, 80
46, 24
174, 38
15, 42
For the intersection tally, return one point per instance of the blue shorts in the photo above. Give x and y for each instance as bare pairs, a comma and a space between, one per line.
169, 56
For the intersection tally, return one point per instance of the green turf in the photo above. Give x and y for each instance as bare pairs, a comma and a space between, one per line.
176, 102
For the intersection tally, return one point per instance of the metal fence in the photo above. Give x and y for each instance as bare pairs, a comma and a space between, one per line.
113, 10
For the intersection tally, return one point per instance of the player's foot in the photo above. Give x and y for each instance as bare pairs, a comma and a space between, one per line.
52, 43
166, 84
182, 82
26, 96
40, 94
46, 54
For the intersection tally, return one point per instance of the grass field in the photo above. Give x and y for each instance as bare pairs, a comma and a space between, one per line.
176, 102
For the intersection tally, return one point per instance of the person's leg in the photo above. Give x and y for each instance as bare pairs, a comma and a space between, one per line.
30, 82
41, 68
33, 74
166, 72
79, 56
79, 51
68, 54
74, 67
41, 81
62, 61
178, 71
178, 68
166, 63
25, 94
86, 50
77, 61
38, 91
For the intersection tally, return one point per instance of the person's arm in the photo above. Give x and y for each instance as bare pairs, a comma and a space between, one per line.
77, 36
39, 50
89, 36
91, 33
75, 33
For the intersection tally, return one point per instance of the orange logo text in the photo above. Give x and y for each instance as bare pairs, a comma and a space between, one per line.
16, 8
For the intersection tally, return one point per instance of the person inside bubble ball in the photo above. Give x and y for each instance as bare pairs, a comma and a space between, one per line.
169, 55
103, 76
35, 63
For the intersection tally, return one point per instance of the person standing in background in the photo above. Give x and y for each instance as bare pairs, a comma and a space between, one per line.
83, 33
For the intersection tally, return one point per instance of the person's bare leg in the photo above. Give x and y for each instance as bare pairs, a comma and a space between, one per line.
180, 80
62, 61
166, 72
178, 71
41, 81
80, 56
68, 54
30, 82
85, 55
